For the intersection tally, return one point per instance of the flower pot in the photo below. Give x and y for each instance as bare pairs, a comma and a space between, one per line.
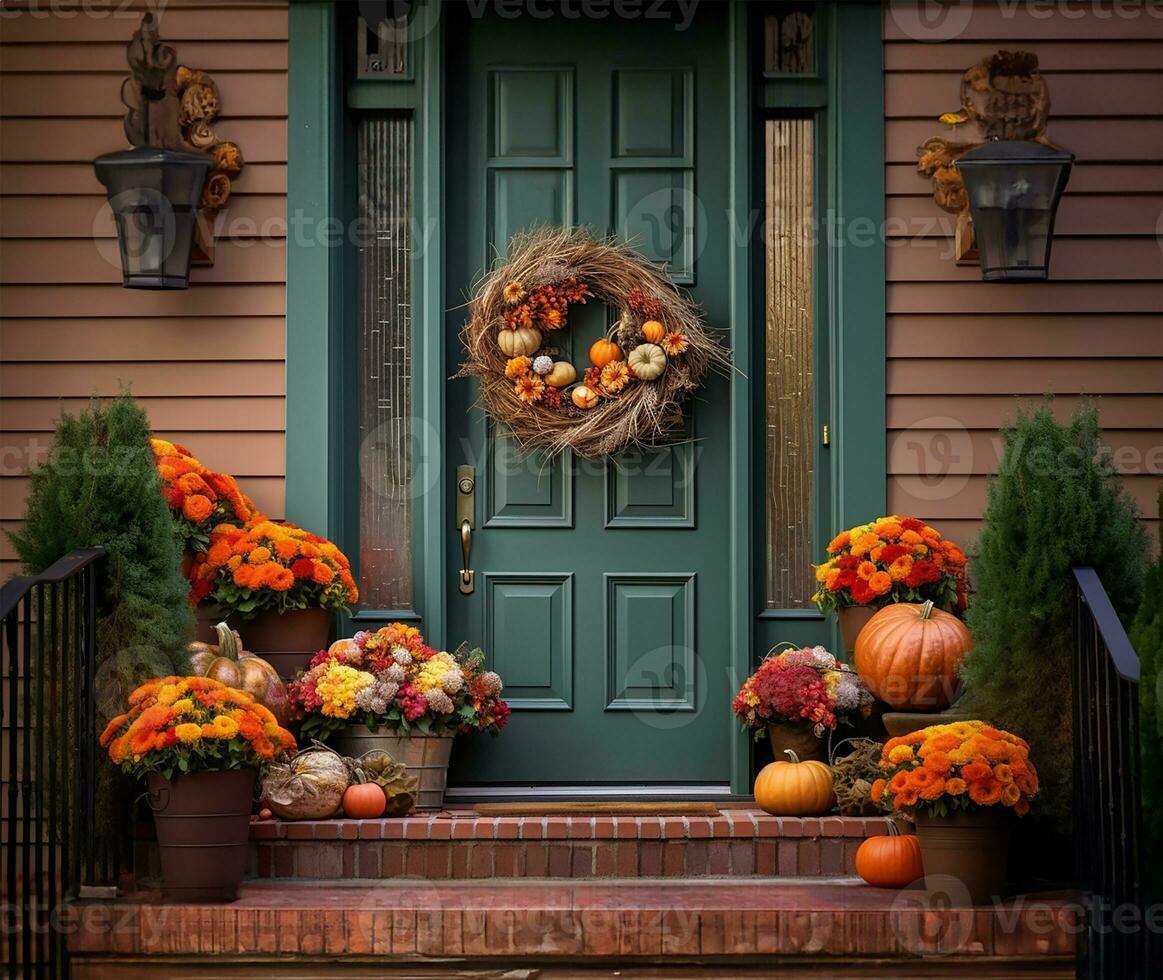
971, 846
426, 757
900, 723
287, 641
797, 736
852, 620
203, 827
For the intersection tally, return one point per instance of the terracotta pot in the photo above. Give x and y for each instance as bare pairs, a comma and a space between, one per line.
852, 620
797, 736
287, 641
203, 828
426, 757
971, 846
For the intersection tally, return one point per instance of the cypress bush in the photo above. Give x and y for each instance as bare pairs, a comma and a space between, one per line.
99, 486
1056, 502
1147, 638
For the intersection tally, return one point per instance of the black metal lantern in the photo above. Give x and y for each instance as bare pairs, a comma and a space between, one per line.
1014, 187
154, 195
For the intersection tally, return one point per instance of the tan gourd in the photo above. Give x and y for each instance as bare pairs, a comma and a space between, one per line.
563, 374
647, 361
584, 397
520, 342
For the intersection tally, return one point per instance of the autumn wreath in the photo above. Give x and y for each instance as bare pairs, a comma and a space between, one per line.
642, 372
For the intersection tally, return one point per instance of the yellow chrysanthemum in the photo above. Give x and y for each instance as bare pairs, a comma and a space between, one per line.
188, 733
225, 726
183, 705
900, 753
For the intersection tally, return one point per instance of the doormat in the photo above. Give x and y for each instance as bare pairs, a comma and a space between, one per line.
596, 808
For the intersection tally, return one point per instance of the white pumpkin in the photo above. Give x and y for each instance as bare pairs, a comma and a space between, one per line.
563, 374
520, 342
647, 361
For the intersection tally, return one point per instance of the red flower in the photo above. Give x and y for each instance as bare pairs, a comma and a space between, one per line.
911, 524
303, 568
891, 552
922, 572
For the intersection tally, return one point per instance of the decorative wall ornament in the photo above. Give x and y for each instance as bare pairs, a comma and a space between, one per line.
641, 374
1003, 97
172, 107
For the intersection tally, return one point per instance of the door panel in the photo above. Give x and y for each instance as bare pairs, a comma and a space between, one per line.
602, 585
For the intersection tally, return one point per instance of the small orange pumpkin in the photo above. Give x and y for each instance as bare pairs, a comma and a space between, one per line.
653, 331
226, 661
908, 653
584, 397
364, 800
890, 860
794, 789
604, 351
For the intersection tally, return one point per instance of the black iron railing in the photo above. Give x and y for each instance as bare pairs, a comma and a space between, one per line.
1107, 816
48, 757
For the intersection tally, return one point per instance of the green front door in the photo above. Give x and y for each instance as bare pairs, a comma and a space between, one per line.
601, 587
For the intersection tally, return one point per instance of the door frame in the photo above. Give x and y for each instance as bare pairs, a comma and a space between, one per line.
318, 410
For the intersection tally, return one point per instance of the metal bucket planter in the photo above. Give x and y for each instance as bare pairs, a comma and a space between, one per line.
426, 757
287, 641
971, 846
203, 826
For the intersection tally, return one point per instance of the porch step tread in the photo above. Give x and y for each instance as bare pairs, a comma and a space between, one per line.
552, 919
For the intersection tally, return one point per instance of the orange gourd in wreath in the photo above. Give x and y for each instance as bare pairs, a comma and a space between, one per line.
653, 331
890, 860
364, 800
604, 351
226, 661
793, 788
908, 653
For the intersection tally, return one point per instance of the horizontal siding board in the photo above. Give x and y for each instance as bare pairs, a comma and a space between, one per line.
978, 411
964, 496
193, 339
1110, 259
254, 95
82, 140
79, 378
177, 23
190, 412
1067, 298
926, 94
1025, 375
209, 300
1073, 55
918, 216
245, 216
1085, 178
266, 492
211, 56
1097, 138
54, 179
932, 451
971, 335
1009, 21
72, 260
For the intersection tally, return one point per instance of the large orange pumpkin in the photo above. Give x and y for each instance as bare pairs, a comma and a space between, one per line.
794, 789
908, 653
890, 860
235, 667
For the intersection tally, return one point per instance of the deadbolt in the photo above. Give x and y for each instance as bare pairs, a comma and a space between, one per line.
466, 484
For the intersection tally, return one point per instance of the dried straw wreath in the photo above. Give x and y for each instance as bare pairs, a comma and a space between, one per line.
643, 371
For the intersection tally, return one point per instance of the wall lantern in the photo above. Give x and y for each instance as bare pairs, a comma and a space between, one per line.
1014, 187
167, 189
154, 195
1004, 187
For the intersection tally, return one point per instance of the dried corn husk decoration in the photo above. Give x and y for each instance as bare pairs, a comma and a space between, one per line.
392, 777
308, 787
853, 775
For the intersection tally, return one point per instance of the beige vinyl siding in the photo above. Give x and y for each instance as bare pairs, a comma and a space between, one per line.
960, 350
206, 363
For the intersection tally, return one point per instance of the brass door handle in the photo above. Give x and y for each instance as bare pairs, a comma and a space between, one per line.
466, 574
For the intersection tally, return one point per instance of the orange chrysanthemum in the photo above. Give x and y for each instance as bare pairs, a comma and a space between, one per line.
675, 343
517, 367
615, 376
530, 388
513, 292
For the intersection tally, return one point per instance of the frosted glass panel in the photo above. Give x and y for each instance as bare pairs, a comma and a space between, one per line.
790, 417
385, 324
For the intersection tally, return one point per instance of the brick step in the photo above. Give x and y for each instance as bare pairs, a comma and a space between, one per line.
835, 926
452, 844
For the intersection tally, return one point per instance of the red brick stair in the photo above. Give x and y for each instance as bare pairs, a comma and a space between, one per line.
457, 844
841, 928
